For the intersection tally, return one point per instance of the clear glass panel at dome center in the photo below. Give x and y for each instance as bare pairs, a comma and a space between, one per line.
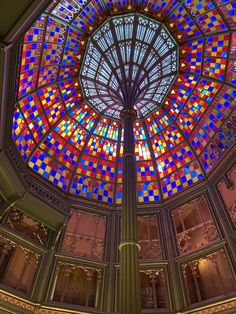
131, 61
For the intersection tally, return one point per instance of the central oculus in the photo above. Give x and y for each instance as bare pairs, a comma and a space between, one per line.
131, 61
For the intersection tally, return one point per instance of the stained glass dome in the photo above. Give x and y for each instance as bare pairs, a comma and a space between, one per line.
180, 136
131, 61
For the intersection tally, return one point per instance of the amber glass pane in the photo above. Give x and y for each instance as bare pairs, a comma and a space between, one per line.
194, 227
28, 276
17, 267
75, 285
153, 289
208, 277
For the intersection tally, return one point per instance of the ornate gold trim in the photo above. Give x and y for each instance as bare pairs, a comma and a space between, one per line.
128, 112
129, 243
20, 302
217, 307
34, 307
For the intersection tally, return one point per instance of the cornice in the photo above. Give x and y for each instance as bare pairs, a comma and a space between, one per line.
19, 187
31, 183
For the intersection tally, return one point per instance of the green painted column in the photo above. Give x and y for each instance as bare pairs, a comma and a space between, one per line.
130, 296
43, 277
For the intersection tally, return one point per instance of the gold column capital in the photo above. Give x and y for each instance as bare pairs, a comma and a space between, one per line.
122, 244
128, 112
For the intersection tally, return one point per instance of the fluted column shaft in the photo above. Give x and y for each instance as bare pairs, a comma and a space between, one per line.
130, 297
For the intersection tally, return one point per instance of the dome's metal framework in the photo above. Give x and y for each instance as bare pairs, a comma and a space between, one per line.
62, 168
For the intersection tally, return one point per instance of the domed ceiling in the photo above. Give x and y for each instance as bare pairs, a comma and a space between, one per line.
131, 61
80, 60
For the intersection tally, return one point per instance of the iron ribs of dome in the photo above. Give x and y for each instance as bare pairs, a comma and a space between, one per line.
130, 61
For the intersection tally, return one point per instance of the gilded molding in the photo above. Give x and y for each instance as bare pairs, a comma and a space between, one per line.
13, 300
122, 244
32, 307
128, 112
219, 307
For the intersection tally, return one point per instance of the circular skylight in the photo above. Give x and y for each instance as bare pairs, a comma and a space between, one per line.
131, 61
